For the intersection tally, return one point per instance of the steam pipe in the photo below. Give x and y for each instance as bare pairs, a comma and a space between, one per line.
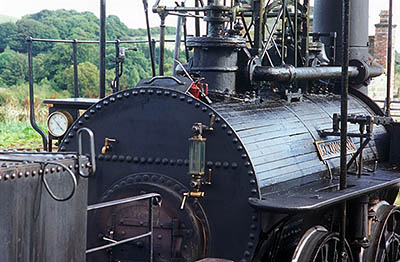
32, 96
289, 73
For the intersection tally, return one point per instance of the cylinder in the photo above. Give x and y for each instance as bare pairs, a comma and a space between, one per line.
289, 73
215, 59
328, 18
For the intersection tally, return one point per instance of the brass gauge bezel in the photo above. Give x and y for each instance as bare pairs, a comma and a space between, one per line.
66, 115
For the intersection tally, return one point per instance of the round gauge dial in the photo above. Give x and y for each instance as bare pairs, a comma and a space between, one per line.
58, 123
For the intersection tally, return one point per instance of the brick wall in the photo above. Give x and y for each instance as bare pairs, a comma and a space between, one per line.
377, 88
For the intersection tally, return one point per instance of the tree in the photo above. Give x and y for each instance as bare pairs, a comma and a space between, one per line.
88, 79
8, 36
13, 67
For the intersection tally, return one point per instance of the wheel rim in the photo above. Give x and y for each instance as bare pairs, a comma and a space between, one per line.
328, 250
388, 248
320, 246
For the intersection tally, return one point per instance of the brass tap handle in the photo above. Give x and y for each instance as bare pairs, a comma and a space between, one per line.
190, 194
185, 196
107, 144
211, 128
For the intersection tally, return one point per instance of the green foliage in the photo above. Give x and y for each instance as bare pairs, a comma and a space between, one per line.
8, 36
18, 135
88, 79
30, 27
397, 63
13, 68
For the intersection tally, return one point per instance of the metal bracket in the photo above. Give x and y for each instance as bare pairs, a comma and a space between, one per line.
92, 151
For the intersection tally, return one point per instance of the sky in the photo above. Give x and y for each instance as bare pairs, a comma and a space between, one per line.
131, 11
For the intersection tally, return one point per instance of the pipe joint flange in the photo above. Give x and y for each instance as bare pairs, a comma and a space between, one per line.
292, 73
363, 71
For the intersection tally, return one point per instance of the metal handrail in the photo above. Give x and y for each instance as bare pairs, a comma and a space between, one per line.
154, 199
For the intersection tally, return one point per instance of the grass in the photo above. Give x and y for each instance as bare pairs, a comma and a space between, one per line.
18, 135
15, 129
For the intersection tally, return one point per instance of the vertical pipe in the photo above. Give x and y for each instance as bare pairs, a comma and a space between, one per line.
184, 39
162, 44
151, 229
178, 36
117, 62
32, 96
197, 19
343, 124
102, 87
345, 85
283, 31
305, 38
151, 47
296, 36
74, 55
258, 24
389, 59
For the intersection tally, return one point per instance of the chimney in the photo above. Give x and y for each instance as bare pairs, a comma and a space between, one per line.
381, 39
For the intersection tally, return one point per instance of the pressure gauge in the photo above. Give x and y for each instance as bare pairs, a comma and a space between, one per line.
58, 123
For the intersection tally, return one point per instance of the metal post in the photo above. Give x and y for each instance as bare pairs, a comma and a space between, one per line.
162, 44
146, 12
343, 124
305, 38
184, 39
283, 31
117, 63
197, 19
102, 87
178, 36
151, 229
258, 24
32, 96
389, 59
74, 51
296, 35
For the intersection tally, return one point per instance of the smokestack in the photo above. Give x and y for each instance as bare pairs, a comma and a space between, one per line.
328, 18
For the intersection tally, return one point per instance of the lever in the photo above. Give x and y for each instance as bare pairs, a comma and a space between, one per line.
107, 144
190, 194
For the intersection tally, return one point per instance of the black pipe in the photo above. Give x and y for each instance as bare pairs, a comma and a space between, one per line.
102, 87
197, 19
74, 55
32, 96
146, 12
389, 59
117, 61
289, 73
343, 123
162, 43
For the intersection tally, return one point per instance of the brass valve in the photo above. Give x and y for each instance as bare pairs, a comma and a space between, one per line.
190, 194
107, 144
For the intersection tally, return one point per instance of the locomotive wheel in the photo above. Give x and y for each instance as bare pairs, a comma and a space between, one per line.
385, 236
320, 245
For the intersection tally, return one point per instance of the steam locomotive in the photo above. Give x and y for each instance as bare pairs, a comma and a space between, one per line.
242, 144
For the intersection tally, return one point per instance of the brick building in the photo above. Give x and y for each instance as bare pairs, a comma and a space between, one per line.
378, 49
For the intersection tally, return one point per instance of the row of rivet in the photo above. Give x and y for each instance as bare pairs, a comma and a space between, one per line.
39, 172
164, 161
